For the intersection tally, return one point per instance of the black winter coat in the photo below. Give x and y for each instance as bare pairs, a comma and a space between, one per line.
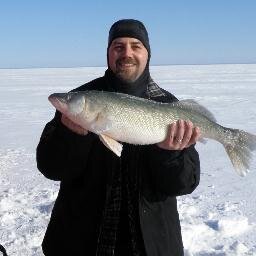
83, 165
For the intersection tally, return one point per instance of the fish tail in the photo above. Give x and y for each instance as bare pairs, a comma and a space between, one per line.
239, 148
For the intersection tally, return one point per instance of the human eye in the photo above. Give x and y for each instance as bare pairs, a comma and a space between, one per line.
118, 47
136, 47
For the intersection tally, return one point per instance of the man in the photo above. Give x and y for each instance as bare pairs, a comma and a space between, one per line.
118, 206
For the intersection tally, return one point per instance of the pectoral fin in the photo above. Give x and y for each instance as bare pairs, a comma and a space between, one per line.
111, 144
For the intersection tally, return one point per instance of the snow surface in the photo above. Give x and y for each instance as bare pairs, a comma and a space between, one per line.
219, 218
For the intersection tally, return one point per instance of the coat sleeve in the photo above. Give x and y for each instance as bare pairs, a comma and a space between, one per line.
173, 173
62, 154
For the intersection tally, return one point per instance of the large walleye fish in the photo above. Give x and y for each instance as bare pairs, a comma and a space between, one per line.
118, 117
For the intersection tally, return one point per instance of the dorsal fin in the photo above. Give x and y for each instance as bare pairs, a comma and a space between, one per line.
191, 104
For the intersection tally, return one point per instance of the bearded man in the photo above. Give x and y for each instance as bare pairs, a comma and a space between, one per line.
118, 206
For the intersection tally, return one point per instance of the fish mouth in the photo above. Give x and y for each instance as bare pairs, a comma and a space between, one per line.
59, 101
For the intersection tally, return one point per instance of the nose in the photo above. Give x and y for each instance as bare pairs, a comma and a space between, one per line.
127, 51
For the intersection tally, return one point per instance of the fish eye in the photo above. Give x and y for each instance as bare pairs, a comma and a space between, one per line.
68, 97
76, 103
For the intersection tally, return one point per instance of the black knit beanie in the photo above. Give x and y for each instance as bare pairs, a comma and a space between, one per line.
129, 28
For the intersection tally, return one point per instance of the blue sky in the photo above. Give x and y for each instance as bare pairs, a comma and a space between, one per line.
74, 33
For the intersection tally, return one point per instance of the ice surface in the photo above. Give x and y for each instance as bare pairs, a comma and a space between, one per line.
219, 218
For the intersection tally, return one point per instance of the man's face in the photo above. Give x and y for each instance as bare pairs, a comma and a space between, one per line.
127, 58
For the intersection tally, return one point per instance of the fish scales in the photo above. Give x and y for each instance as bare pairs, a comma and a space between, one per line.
118, 117
135, 121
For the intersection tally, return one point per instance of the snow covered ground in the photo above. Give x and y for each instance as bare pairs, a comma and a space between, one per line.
219, 218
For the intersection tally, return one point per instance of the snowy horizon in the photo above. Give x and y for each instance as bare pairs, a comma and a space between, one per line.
218, 218
151, 65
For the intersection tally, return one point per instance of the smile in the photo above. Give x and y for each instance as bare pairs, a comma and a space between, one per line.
126, 65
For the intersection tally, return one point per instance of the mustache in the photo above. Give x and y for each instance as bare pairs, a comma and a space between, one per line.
126, 61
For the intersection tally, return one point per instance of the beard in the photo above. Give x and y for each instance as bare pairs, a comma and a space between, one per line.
127, 70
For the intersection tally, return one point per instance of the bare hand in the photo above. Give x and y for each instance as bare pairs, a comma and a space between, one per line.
181, 134
72, 126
